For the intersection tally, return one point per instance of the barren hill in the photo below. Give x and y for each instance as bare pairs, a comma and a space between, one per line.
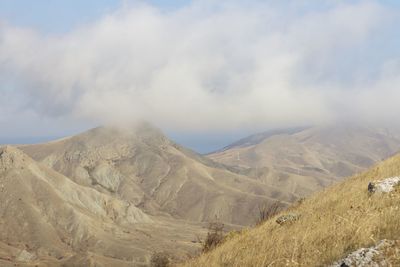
141, 166
303, 160
46, 218
112, 197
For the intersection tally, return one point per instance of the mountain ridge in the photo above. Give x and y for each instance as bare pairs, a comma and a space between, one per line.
256, 138
145, 167
113, 196
312, 158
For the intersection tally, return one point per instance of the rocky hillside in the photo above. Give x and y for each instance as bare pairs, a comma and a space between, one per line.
303, 160
141, 166
352, 223
114, 196
46, 218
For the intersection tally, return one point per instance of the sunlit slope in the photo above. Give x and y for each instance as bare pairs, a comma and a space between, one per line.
304, 160
333, 223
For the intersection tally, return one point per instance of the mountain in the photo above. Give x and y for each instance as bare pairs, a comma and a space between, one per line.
141, 166
46, 218
113, 196
258, 138
345, 224
303, 160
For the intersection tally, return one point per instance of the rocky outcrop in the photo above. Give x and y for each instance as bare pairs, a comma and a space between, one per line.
287, 218
11, 157
366, 256
26, 256
384, 186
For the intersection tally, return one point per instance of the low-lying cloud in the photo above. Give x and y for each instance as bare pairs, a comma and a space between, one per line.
210, 65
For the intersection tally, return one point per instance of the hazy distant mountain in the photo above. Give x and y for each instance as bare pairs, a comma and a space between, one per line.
300, 161
258, 138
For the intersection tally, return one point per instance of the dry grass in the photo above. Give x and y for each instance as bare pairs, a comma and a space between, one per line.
333, 223
267, 211
390, 253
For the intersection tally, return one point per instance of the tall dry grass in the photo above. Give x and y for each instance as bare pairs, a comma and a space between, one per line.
333, 223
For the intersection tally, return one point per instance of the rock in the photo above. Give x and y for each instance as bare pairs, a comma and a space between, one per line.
106, 176
365, 256
25, 256
11, 157
287, 218
383, 186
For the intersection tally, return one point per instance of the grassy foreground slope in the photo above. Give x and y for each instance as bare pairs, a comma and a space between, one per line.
333, 223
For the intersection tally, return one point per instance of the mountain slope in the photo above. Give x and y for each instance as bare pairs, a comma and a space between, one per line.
141, 166
302, 161
332, 224
258, 138
47, 218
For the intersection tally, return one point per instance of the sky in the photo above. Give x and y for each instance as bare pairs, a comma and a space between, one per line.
206, 72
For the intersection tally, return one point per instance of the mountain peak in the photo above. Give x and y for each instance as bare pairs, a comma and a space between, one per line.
144, 132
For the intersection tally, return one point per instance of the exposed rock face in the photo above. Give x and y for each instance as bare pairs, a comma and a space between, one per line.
365, 257
25, 256
287, 218
11, 157
384, 186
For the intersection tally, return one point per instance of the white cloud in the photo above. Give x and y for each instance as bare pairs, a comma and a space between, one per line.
206, 65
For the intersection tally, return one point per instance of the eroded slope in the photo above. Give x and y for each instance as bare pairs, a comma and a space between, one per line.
47, 218
143, 167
